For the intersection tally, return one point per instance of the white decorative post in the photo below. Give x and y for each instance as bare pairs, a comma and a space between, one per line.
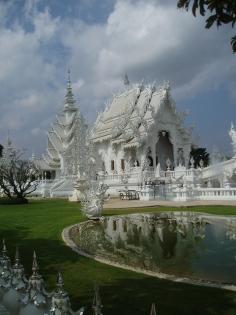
17, 287
232, 134
192, 162
97, 304
5, 272
36, 299
60, 303
153, 309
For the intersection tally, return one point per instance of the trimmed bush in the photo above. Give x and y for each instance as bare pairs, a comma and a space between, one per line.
13, 201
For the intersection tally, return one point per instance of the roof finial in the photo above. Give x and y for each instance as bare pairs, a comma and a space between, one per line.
8, 138
126, 80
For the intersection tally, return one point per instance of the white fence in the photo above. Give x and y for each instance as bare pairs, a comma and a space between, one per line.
184, 194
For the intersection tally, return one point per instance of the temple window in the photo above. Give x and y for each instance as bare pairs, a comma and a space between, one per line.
136, 163
150, 161
112, 165
122, 164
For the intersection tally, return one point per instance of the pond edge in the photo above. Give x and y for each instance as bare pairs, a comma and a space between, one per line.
69, 242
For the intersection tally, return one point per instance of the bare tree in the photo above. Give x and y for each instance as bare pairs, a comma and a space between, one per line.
17, 175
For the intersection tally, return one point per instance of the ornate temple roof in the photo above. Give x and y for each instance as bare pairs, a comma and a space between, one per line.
61, 136
131, 114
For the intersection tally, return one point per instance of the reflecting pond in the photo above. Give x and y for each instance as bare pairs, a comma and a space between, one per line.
183, 244
3, 311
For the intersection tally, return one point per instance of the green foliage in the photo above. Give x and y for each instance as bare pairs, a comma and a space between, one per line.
38, 225
200, 154
222, 12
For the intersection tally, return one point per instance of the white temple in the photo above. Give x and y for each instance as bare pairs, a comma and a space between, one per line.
139, 131
138, 143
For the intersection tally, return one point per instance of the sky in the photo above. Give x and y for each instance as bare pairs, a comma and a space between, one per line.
100, 41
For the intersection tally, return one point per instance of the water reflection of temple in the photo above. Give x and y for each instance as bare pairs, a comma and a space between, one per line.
180, 244
161, 234
231, 230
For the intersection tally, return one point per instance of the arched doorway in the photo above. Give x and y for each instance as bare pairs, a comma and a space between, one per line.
164, 149
149, 157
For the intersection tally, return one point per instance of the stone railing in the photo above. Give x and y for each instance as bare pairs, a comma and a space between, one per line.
216, 193
179, 173
186, 193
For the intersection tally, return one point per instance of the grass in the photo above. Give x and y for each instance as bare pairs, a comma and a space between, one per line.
38, 226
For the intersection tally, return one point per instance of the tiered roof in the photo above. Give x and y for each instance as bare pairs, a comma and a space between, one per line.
131, 115
61, 135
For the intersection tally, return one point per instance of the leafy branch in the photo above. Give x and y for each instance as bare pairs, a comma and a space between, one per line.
222, 12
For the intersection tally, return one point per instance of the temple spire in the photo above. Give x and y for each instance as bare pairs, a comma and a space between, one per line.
68, 79
69, 98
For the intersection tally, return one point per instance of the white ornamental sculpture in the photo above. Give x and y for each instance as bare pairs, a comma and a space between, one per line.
18, 285
60, 304
36, 300
93, 200
232, 134
5, 272
97, 303
153, 309
88, 190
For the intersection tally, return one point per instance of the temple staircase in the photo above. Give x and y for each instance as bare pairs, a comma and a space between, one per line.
63, 187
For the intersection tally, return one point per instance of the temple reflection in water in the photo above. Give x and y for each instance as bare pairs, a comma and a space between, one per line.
180, 244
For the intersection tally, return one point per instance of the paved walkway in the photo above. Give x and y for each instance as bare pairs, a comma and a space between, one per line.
116, 203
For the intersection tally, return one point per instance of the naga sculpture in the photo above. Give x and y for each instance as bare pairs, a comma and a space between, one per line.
93, 200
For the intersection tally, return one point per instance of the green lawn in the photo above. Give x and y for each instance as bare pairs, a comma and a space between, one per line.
38, 226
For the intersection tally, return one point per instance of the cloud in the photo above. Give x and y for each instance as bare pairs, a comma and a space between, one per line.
146, 39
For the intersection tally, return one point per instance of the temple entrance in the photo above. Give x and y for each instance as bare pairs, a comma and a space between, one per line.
149, 157
164, 150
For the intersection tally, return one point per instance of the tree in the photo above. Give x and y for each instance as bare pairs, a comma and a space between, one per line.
199, 154
1, 148
221, 12
17, 175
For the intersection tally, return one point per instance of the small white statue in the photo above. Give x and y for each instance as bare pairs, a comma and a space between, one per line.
201, 163
158, 171
232, 134
168, 164
192, 161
